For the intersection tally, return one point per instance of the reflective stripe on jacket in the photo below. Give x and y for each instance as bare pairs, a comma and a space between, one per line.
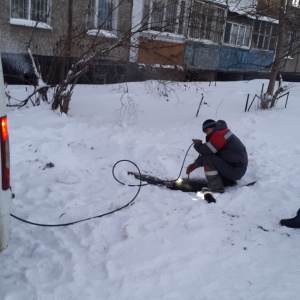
224, 143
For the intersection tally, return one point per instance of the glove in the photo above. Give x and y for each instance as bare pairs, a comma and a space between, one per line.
191, 168
195, 141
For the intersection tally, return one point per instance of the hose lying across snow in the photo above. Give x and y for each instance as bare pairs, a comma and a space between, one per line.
112, 211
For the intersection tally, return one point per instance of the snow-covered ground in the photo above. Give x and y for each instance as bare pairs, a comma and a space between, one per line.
167, 245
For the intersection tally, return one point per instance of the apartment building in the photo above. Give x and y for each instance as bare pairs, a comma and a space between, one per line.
57, 32
171, 39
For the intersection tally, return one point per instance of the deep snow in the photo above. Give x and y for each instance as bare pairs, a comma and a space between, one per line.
168, 244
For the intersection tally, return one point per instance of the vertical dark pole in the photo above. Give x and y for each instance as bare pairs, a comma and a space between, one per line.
199, 105
251, 103
287, 98
262, 89
247, 103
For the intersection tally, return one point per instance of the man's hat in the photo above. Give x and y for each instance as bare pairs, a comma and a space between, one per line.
208, 124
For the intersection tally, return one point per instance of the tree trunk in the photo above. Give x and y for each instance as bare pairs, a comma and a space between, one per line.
278, 60
66, 98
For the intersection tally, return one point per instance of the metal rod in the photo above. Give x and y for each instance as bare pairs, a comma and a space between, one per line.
247, 103
199, 105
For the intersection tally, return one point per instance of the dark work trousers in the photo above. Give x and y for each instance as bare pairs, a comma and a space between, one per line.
225, 169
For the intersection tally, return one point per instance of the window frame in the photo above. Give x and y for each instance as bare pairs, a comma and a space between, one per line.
211, 26
238, 39
22, 10
94, 21
264, 35
291, 41
157, 13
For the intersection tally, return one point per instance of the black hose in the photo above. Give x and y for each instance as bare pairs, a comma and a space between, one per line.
99, 216
165, 181
113, 211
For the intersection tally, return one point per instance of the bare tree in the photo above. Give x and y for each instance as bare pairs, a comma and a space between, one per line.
287, 43
77, 49
80, 51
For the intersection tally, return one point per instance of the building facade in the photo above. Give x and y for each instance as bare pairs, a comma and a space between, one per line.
214, 40
172, 39
57, 32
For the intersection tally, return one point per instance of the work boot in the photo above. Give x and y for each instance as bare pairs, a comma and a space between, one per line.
228, 182
214, 185
293, 222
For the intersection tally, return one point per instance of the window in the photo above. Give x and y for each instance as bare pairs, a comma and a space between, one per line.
291, 38
237, 34
206, 22
164, 15
264, 35
100, 14
34, 10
